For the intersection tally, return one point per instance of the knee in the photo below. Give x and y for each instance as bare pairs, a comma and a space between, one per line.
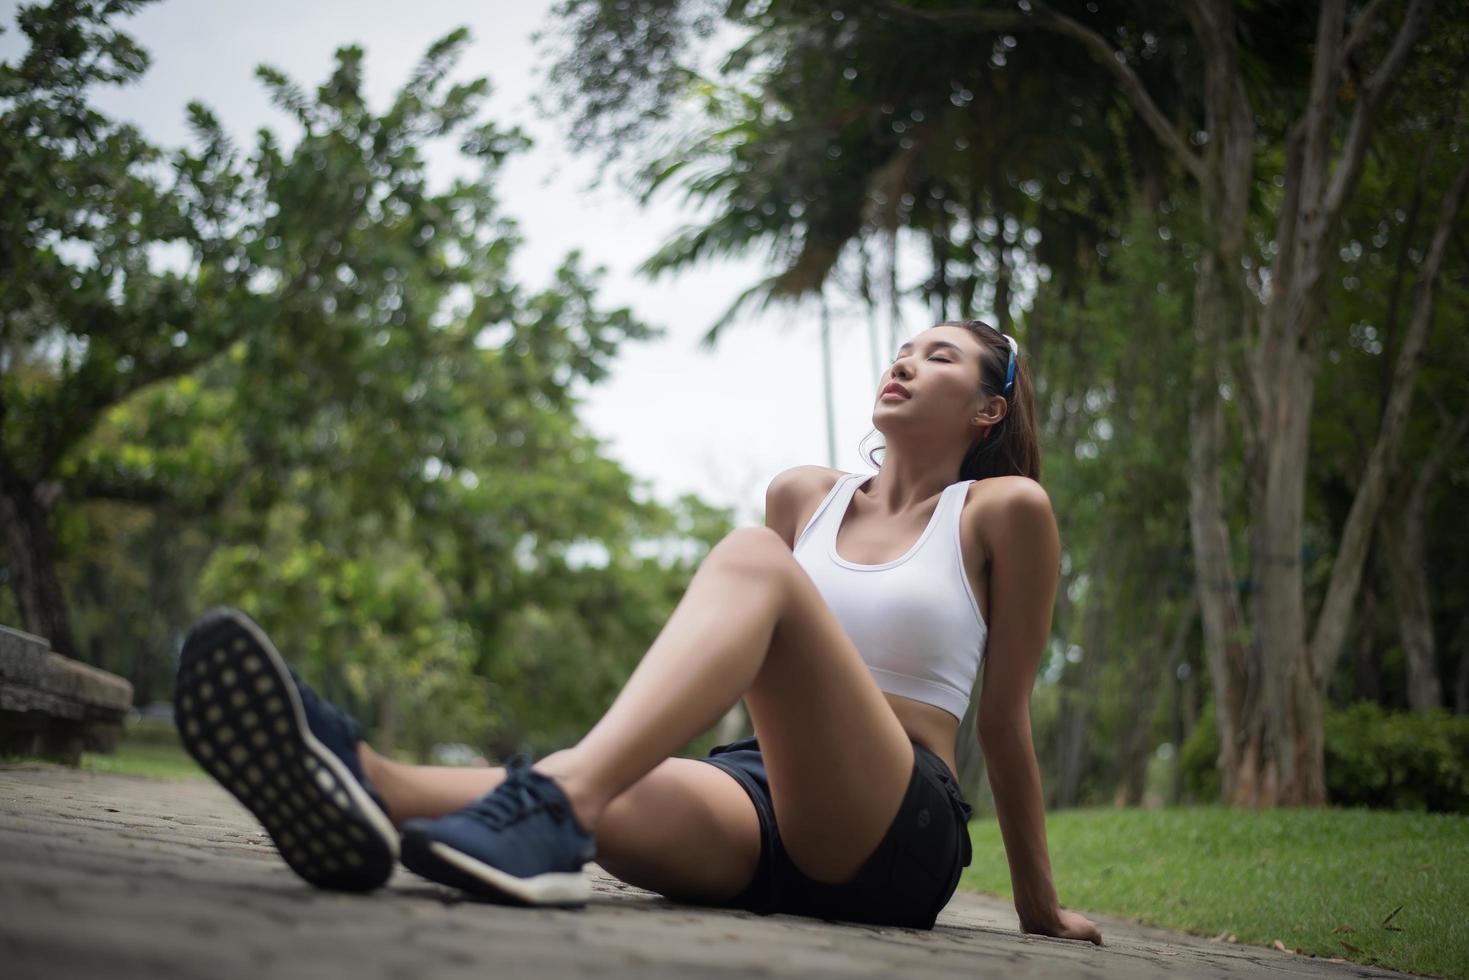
759, 551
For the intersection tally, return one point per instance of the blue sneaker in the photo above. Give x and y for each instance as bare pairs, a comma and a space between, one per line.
519, 843
286, 753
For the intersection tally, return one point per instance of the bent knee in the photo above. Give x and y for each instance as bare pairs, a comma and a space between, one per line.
757, 549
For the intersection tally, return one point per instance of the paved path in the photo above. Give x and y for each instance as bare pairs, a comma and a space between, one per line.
124, 877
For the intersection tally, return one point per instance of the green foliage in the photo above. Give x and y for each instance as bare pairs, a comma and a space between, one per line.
86, 320
1398, 760
1393, 760
1323, 881
1198, 758
338, 411
1007, 153
370, 625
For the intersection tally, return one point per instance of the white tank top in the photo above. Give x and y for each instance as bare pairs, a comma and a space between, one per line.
914, 619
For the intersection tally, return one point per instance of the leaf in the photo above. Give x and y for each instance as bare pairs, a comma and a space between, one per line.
1389, 919
1350, 948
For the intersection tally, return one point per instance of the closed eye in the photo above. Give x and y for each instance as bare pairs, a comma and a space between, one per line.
936, 357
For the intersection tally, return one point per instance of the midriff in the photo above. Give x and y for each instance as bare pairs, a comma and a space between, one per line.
933, 728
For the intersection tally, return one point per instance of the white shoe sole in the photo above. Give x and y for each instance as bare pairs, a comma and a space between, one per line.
439, 862
240, 717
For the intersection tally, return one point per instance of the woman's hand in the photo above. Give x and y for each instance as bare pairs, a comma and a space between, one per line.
1067, 925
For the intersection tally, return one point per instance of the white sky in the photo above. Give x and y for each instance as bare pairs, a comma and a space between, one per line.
720, 423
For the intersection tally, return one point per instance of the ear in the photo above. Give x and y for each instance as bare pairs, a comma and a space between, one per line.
989, 416
992, 412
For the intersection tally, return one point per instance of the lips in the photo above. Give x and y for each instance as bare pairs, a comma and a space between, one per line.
895, 387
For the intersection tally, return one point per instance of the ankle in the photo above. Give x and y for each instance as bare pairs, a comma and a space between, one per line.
587, 800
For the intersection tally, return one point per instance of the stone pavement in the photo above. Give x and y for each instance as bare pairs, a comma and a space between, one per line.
124, 877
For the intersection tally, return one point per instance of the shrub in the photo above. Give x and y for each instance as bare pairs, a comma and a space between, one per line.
1197, 757
1374, 758
1397, 760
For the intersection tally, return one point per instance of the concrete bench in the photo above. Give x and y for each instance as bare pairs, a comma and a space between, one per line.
54, 707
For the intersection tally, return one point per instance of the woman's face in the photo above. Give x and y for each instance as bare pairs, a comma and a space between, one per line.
939, 370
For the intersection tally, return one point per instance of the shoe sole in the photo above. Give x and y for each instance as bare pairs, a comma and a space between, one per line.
439, 862
239, 717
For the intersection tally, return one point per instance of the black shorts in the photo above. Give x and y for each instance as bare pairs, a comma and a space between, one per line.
906, 881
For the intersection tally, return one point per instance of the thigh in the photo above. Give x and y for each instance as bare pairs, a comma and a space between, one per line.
686, 830
838, 760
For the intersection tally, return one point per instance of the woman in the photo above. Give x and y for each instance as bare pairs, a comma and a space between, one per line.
852, 625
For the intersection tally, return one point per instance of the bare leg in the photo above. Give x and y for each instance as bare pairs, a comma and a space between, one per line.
685, 830
425, 791
704, 659
752, 621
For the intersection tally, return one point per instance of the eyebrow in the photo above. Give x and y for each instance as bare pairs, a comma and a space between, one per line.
933, 344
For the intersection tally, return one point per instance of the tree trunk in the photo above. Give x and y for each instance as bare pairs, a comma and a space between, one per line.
1280, 760
1283, 764
938, 243
1078, 682
1346, 571
874, 339
895, 299
1147, 670
1224, 173
1461, 685
1137, 747
1184, 718
31, 553
1002, 278
1408, 560
1072, 724
826, 387
1158, 670
1269, 686
1225, 640
1366, 671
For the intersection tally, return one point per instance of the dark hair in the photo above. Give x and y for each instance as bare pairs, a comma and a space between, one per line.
1010, 448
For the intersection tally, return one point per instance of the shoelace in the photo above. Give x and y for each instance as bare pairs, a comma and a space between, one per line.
517, 798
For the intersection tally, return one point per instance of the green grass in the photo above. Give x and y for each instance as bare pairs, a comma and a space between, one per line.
1321, 881
132, 759
149, 747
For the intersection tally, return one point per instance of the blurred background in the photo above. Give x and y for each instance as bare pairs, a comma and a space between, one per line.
446, 339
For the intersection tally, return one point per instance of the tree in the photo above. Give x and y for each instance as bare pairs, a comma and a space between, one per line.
85, 320
1272, 157
341, 412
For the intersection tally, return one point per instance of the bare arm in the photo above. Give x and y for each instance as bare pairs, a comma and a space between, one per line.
1025, 550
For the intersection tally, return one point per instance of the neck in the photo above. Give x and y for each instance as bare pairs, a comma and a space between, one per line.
908, 479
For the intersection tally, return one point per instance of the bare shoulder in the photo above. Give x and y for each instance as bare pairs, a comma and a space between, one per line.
794, 494
1009, 491
1004, 509
799, 478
